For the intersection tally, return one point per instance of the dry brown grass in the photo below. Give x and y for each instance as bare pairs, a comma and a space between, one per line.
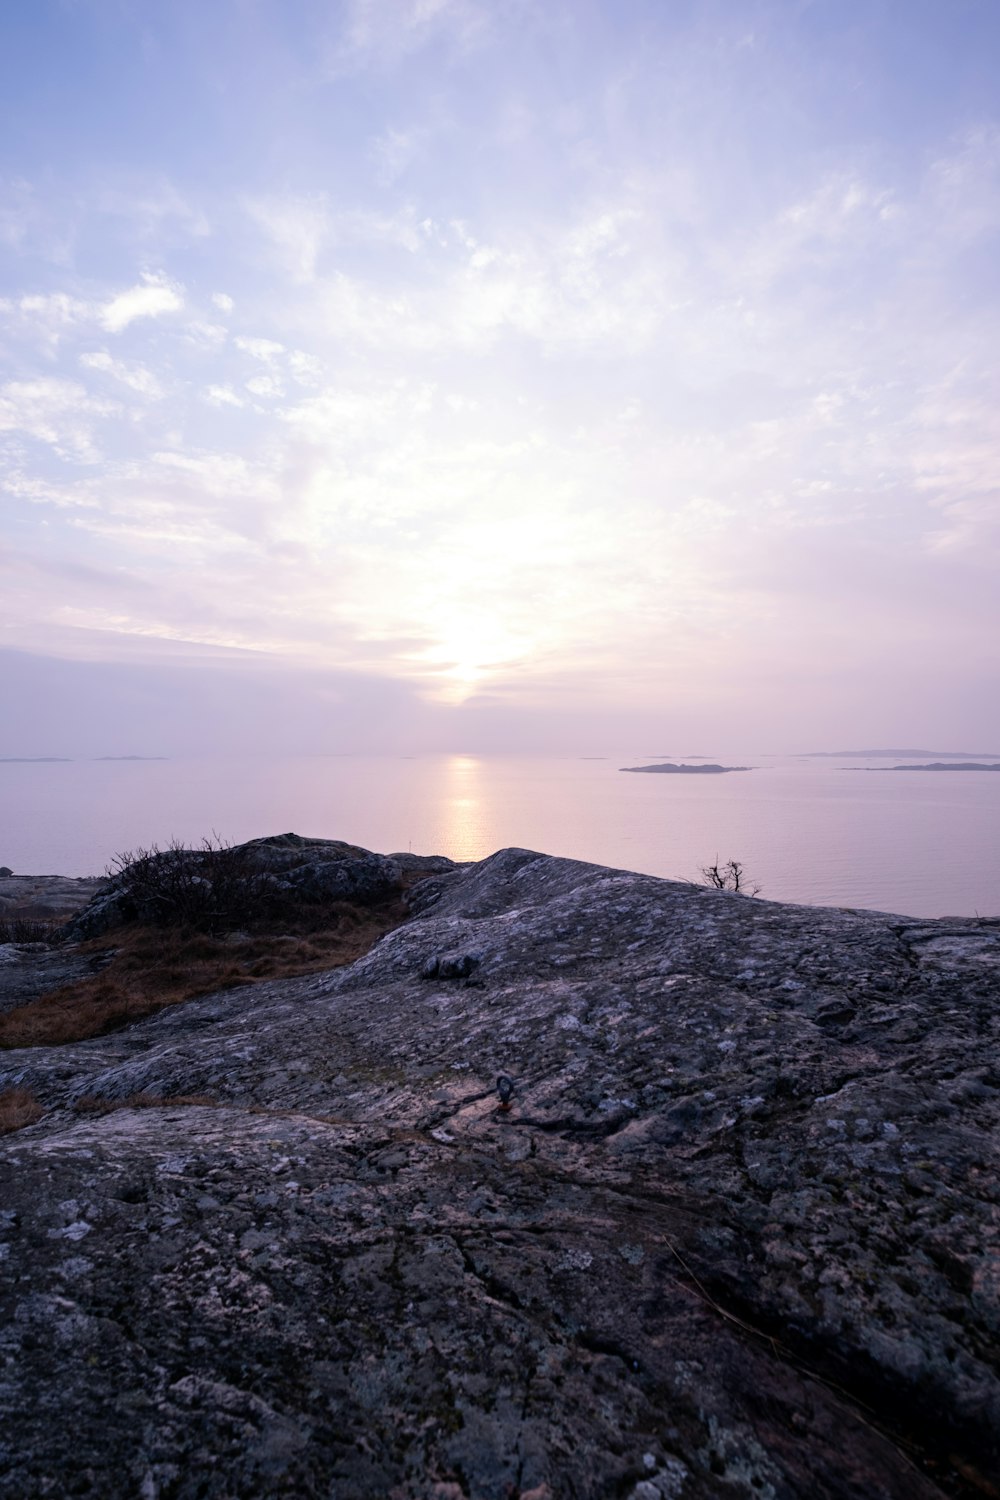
18, 1107
154, 967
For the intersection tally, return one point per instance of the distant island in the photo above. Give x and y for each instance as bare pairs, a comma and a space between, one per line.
899, 754
935, 765
665, 755
66, 760
672, 770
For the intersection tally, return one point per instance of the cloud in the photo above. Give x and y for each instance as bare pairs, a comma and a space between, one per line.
229, 475
155, 212
265, 349
136, 376
55, 308
394, 151
32, 225
298, 229
206, 335
961, 189
602, 282
844, 221
154, 295
971, 530
56, 412
305, 368
349, 417
40, 491
380, 34
265, 385
47, 317
534, 385
955, 458
223, 395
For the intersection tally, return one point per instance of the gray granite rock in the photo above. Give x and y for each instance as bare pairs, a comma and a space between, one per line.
47, 898
36, 902
736, 1235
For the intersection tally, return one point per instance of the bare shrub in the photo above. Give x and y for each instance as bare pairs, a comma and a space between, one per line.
214, 888
29, 930
18, 1108
729, 877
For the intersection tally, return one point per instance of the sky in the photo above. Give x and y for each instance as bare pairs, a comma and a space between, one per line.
499, 374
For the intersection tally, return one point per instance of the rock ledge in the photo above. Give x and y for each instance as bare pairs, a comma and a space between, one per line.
736, 1234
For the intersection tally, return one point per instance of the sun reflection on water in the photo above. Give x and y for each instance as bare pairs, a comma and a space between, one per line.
463, 811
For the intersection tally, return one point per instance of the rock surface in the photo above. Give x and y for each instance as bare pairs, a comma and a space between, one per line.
29, 969
736, 1235
46, 898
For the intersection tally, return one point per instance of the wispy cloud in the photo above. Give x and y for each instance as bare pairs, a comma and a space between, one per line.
46, 318
56, 412
136, 376
297, 229
223, 395
379, 34
154, 295
264, 349
155, 212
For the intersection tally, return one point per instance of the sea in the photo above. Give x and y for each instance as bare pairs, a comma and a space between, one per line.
843, 832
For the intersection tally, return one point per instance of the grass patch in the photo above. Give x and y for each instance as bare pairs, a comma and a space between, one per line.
153, 967
18, 1107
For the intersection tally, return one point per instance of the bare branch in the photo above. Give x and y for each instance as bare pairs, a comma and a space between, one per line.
729, 877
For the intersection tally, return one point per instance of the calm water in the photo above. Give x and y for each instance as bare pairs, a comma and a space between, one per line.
923, 843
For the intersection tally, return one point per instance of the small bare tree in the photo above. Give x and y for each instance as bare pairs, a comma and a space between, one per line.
729, 877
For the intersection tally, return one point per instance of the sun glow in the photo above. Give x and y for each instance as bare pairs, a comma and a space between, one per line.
470, 648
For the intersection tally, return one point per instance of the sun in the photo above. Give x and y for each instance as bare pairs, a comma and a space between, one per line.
469, 648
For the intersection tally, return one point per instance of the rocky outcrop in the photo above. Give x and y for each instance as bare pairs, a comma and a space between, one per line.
735, 1234
229, 884
29, 906
45, 898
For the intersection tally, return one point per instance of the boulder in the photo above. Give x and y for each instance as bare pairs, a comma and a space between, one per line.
734, 1233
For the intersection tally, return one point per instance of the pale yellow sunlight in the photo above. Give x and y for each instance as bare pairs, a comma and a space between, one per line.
461, 805
469, 647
